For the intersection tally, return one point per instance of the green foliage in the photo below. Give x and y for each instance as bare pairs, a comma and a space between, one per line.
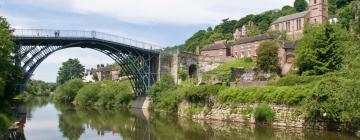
40, 88
322, 49
300, 5
166, 82
267, 56
115, 94
335, 101
182, 74
349, 17
194, 109
222, 72
9, 73
200, 94
263, 113
95, 77
88, 94
66, 93
4, 123
167, 101
71, 69
294, 80
269, 94
105, 94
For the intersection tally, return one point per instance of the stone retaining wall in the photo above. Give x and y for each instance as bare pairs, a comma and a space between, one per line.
285, 116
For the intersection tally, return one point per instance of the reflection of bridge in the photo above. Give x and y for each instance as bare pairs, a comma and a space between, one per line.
137, 58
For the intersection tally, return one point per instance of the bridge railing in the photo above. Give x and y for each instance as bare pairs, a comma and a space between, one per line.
83, 34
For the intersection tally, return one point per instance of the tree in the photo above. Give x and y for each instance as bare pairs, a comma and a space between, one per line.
267, 56
9, 73
322, 49
70, 69
300, 5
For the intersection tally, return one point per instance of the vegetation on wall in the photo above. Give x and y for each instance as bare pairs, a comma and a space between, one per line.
222, 72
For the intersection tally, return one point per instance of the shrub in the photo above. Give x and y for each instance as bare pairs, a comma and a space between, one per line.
166, 82
167, 101
263, 113
293, 80
269, 94
335, 101
182, 74
4, 123
115, 94
88, 94
200, 93
68, 91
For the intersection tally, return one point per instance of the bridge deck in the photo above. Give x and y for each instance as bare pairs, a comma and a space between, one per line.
45, 34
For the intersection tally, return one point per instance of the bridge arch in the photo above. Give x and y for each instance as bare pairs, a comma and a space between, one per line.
139, 63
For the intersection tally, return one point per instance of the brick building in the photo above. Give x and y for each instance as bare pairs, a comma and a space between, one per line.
293, 24
246, 48
218, 48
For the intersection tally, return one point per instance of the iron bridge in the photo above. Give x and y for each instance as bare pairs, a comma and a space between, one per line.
138, 59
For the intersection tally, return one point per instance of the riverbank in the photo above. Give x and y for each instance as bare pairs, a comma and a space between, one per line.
326, 102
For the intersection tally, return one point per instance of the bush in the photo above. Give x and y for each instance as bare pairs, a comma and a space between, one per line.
88, 94
167, 101
335, 101
200, 93
166, 82
269, 94
4, 123
263, 113
67, 92
115, 94
293, 80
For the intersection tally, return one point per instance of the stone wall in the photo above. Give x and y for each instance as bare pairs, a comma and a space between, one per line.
286, 116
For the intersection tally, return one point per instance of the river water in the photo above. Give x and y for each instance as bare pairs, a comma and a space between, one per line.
49, 121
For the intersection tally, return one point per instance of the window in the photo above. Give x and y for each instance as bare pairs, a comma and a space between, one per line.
298, 24
314, 1
288, 26
277, 27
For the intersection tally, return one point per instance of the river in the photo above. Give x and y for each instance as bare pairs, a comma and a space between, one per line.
49, 121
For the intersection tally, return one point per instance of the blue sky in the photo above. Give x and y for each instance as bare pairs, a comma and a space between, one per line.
163, 22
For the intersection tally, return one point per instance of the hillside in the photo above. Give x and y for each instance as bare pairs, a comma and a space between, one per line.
260, 22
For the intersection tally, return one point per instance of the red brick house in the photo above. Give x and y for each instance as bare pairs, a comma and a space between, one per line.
217, 49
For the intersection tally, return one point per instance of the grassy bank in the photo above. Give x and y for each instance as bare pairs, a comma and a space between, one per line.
104, 94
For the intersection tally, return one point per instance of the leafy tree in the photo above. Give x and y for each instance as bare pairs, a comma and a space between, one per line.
267, 56
322, 49
287, 10
71, 69
95, 76
300, 5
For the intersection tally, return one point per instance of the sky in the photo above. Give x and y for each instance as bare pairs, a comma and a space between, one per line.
162, 22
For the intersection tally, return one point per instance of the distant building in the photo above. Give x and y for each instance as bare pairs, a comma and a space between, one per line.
240, 33
109, 72
88, 76
246, 48
294, 24
218, 49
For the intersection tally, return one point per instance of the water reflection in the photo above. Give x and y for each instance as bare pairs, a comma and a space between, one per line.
82, 123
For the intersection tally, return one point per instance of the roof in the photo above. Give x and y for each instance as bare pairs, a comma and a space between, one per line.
253, 39
290, 17
287, 44
215, 46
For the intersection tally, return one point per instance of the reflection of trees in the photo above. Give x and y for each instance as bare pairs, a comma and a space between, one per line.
33, 103
70, 124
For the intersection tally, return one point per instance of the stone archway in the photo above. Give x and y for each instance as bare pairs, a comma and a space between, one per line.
193, 71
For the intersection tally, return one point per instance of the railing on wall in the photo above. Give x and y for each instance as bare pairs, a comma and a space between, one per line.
84, 34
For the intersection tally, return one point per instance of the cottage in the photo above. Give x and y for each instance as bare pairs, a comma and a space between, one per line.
217, 49
293, 24
246, 48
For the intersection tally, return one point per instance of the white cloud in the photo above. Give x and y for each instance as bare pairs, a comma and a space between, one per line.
165, 11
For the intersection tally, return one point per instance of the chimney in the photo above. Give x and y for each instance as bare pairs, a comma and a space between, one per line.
197, 51
98, 66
